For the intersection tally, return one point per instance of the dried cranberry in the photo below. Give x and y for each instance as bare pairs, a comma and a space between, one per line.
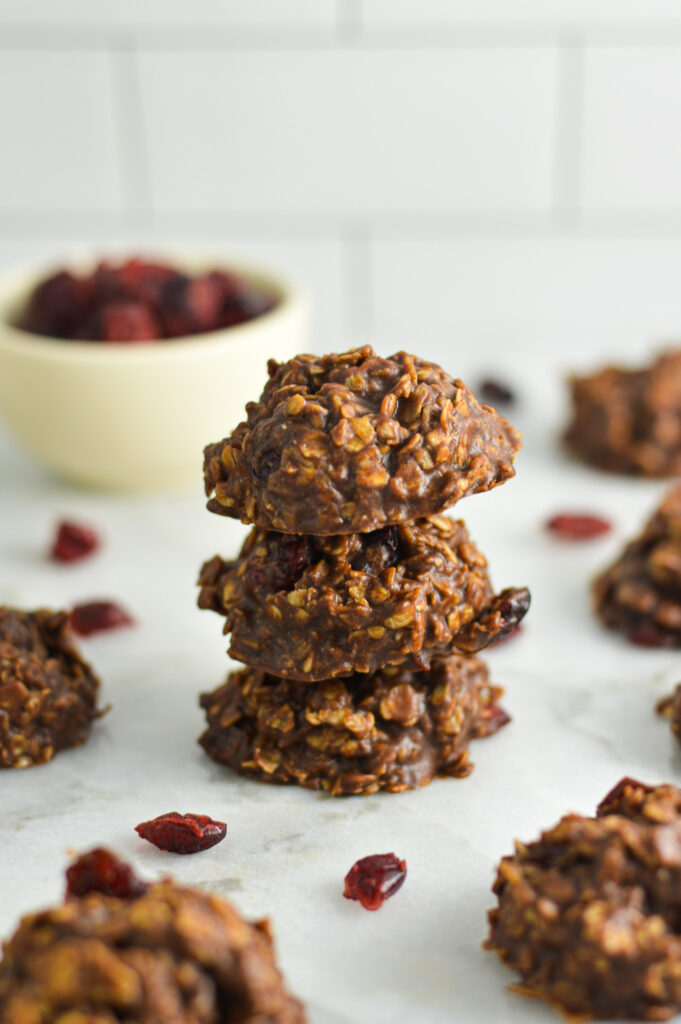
141, 279
495, 392
648, 636
127, 321
495, 719
57, 304
610, 803
284, 564
575, 526
73, 541
102, 871
380, 550
513, 609
372, 880
268, 462
96, 616
182, 833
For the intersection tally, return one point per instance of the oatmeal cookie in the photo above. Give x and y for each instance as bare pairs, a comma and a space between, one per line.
351, 443
640, 594
48, 692
394, 730
312, 608
163, 953
590, 913
629, 421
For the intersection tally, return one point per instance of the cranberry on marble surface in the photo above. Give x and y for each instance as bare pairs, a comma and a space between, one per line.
374, 879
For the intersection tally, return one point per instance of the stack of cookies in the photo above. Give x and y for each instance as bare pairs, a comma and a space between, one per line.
355, 604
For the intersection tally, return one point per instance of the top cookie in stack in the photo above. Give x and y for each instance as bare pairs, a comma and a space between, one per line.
350, 443
344, 467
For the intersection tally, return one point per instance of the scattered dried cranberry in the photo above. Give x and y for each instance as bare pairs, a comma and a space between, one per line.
102, 871
495, 392
495, 719
646, 636
73, 541
611, 802
97, 616
182, 833
575, 526
372, 880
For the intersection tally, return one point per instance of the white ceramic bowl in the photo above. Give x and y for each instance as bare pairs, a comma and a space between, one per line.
136, 417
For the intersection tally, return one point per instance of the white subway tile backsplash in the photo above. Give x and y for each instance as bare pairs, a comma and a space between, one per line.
610, 282
129, 13
59, 142
350, 131
511, 12
632, 128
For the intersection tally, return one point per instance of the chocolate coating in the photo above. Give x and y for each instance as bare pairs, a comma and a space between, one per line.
394, 730
312, 608
590, 913
353, 442
48, 692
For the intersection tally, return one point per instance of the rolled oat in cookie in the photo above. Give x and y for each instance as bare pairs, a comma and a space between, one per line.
394, 730
354, 442
629, 421
640, 593
48, 692
158, 954
589, 914
312, 608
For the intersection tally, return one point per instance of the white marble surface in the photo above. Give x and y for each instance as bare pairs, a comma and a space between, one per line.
581, 701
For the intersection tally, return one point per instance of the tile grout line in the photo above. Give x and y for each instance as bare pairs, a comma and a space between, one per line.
568, 133
348, 21
356, 281
133, 158
25, 223
346, 31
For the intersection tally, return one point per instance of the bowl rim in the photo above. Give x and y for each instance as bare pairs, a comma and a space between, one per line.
17, 281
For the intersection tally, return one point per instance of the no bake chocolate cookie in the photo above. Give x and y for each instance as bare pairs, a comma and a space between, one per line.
162, 954
353, 442
311, 608
629, 421
640, 593
48, 692
394, 730
590, 913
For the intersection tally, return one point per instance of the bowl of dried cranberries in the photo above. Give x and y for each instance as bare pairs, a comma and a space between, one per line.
115, 374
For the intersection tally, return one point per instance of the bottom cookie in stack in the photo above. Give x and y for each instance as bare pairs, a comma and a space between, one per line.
396, 729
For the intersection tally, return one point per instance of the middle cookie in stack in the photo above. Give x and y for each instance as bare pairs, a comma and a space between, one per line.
351, 571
